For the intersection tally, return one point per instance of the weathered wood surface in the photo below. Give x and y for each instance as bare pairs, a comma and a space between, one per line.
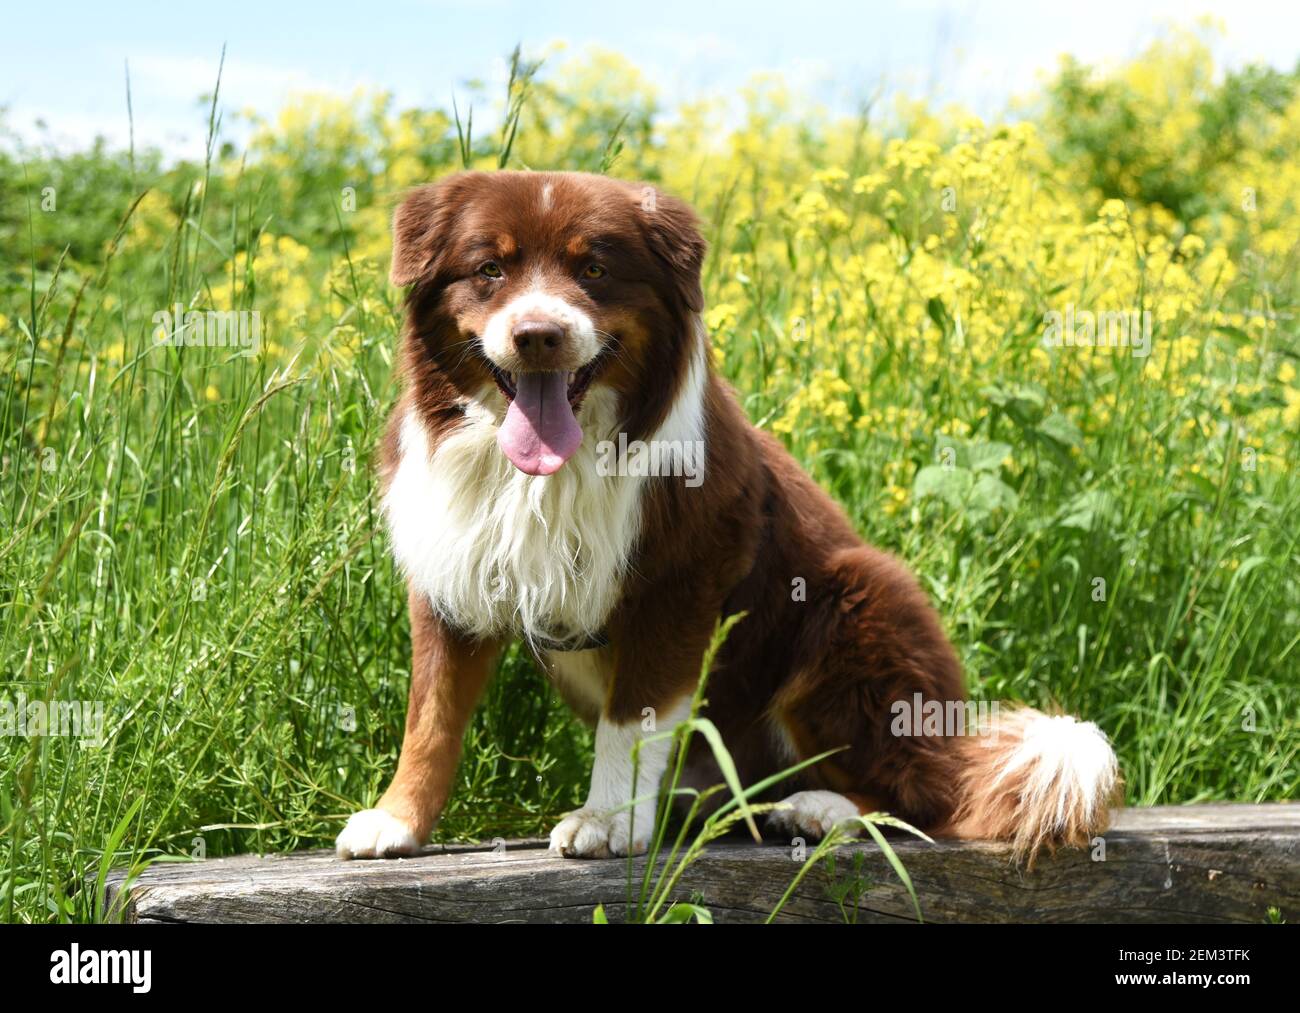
1208, 863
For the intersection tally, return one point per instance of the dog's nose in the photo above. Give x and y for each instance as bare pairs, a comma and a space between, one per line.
534, 338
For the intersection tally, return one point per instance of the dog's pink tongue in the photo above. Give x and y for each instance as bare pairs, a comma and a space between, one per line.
539, 432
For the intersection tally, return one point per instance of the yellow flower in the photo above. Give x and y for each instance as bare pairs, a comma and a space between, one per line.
869, 183
831, 179
1291, 413
720, 317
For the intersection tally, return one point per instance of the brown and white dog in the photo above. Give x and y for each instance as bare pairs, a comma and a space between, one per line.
551, 314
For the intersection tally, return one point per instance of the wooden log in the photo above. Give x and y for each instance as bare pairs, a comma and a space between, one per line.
1206, 863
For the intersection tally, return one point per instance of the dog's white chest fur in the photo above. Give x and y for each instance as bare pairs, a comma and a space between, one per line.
503, 553
500, 552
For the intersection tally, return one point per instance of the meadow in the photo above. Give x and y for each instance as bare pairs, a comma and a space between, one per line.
1107, 517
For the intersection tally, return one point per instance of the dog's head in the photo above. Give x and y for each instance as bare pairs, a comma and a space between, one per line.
541, 285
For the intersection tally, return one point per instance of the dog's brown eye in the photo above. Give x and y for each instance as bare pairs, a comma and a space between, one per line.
490, 270
594, 271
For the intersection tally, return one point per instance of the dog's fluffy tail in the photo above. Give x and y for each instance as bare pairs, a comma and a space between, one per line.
1035, 781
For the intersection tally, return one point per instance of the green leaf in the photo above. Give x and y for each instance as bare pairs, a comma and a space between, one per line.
1024, 402
952, 485
1088, 511
987, 456
893, 858
728, 767
1061, 429
937, 313
680, 913
110, 850
990, 493
1238, 336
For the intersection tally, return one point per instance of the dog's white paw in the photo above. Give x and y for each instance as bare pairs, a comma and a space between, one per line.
810, 814
374, 833
594, 833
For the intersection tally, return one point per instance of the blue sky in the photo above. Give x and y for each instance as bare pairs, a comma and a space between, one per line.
64, 64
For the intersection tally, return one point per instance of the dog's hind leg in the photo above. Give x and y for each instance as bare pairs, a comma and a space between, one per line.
874, 649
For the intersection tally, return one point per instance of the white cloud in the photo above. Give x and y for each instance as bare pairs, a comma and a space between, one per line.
242, 82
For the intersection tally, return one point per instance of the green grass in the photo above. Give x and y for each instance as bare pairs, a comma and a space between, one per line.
191, 536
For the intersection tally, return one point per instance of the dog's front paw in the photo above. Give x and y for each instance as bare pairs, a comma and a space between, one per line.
374, 833
595, 833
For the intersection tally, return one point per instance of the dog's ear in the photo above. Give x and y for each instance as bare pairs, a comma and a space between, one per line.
673, 232
420, 224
